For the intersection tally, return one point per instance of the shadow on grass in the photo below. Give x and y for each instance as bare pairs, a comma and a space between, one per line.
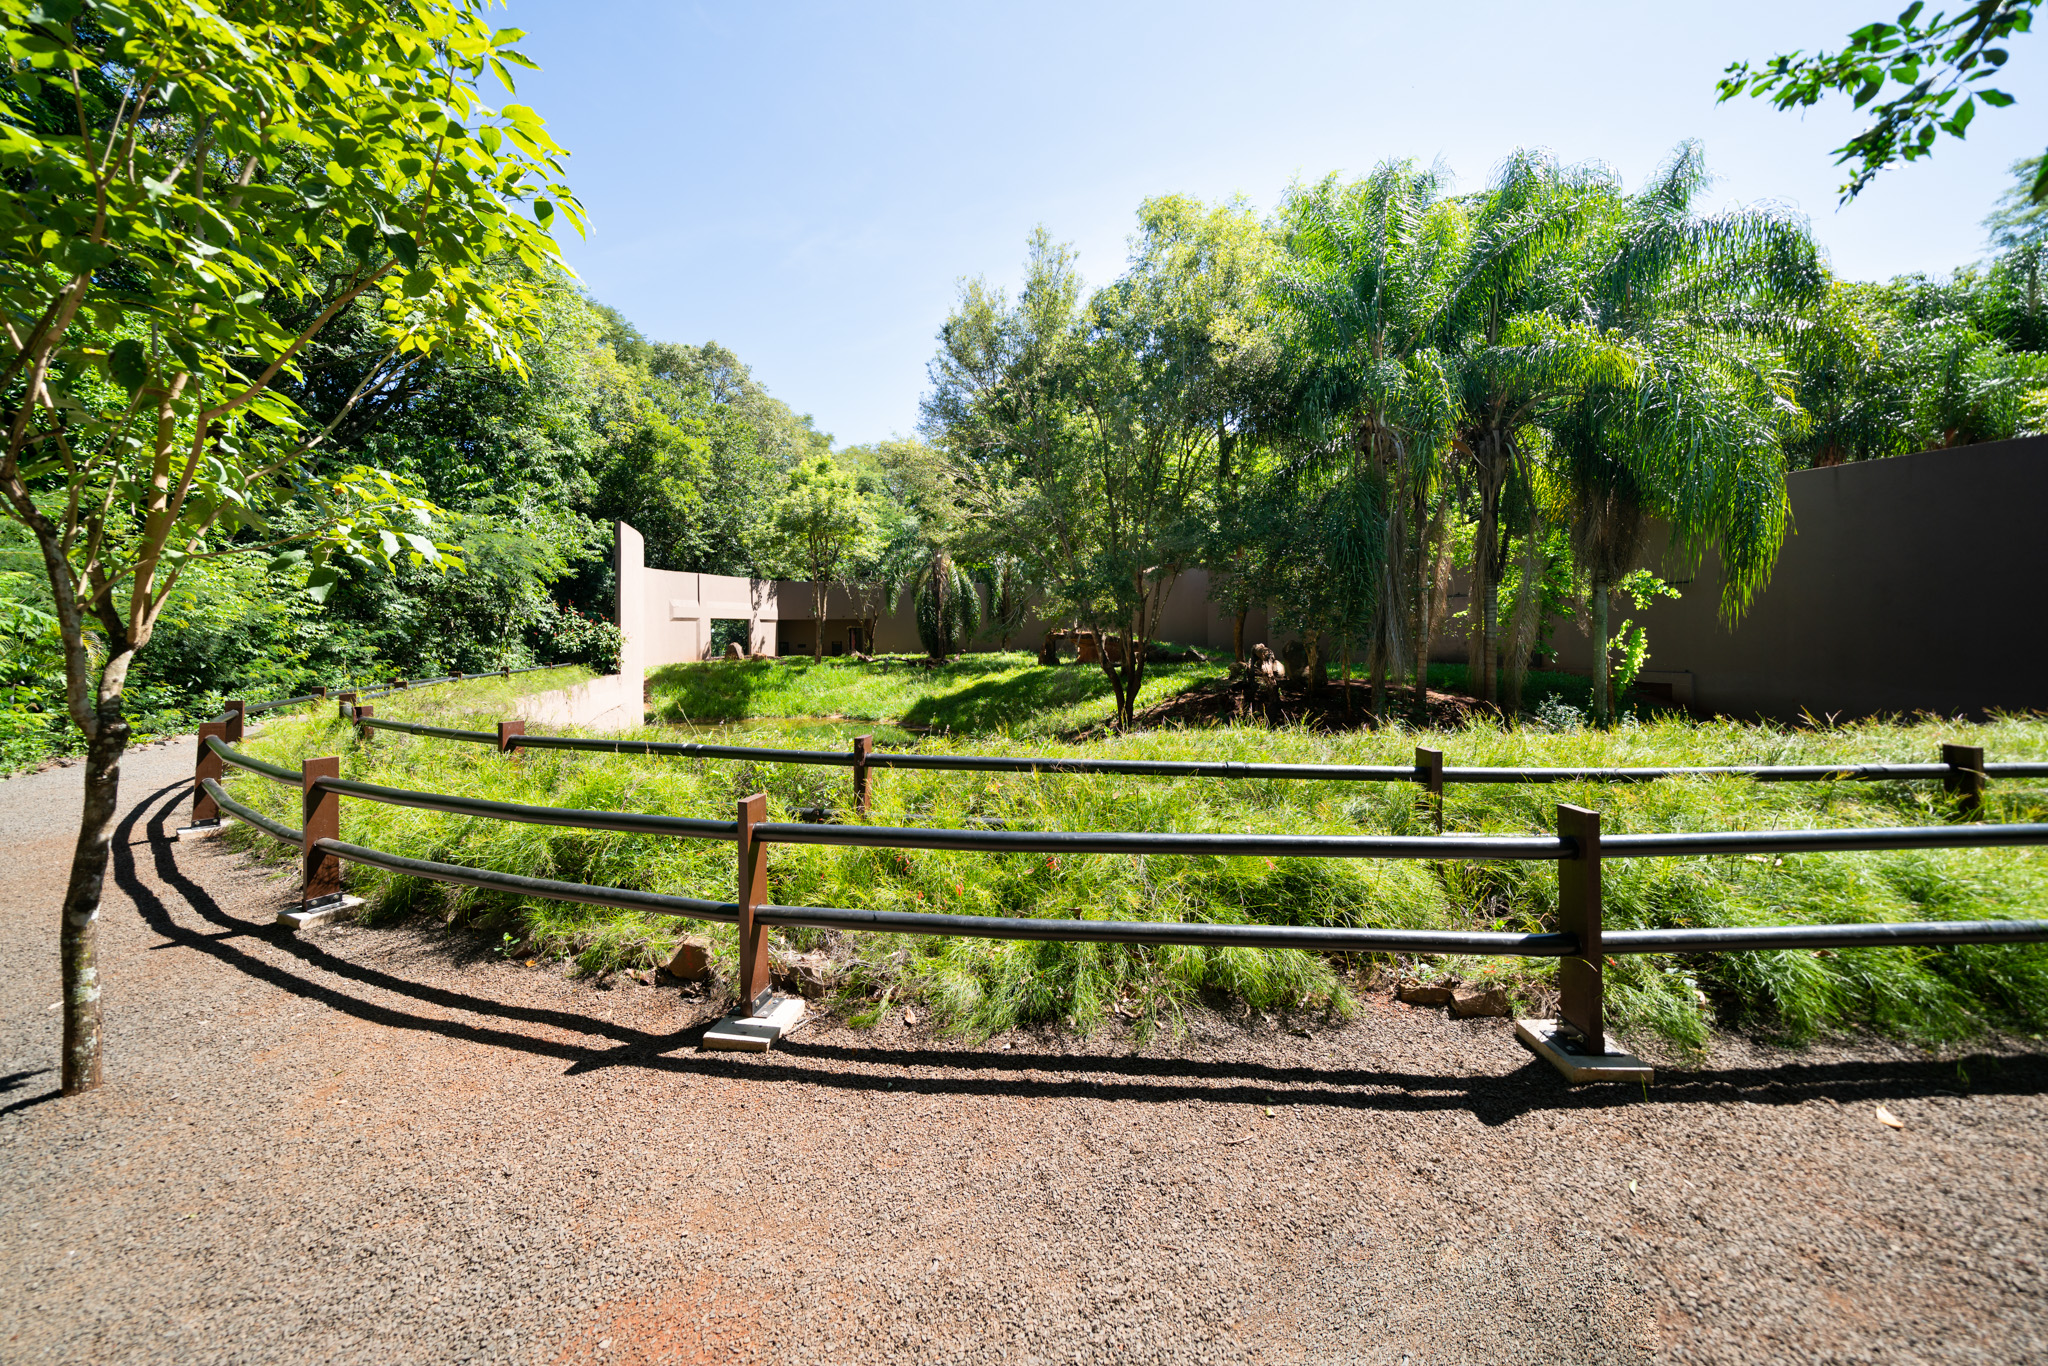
722, 690
997, 703
1492, 1099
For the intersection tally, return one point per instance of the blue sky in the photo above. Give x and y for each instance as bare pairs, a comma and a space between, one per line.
808, 183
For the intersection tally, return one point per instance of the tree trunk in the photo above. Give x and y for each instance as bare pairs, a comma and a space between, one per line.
1527, 621
78, 935
1602, 707
1237, 634
1379, 684
817, 621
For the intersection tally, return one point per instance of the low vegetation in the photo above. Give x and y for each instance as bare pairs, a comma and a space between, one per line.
1009, 693
983, 987
993, 694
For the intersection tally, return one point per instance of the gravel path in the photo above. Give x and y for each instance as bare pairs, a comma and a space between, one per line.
387, 1146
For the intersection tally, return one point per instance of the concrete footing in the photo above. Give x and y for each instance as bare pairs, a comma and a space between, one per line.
200, 832
1551, 1041
306, 917
755, 1033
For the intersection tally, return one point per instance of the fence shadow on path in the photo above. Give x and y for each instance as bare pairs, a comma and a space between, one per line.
14, 1081
1492, 1099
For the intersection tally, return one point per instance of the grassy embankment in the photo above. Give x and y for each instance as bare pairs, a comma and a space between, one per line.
983, 986
1002, 694
977, 694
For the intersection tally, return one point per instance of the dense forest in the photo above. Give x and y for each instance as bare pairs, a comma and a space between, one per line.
1331, 408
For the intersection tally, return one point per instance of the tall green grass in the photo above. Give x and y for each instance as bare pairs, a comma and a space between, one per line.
980, 693
982, 986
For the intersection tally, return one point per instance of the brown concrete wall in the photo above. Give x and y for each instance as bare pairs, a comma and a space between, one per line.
1189, 619
1916, 583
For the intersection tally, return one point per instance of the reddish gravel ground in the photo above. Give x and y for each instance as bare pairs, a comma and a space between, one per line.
387, 1146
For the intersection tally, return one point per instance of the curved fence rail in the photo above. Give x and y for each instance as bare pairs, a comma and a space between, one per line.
1963, 770
1580, 940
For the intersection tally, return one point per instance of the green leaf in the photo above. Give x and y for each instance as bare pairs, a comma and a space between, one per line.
404, 248
361, 240
1997, 99
418, 285
321, 582
128, 365
543, 212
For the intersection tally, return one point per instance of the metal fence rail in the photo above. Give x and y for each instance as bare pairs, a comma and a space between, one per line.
1137, 842
629, 822
1963, 770
517, 884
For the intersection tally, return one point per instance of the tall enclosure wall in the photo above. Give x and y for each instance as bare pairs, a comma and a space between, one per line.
1190, 618
677, 614
1915, 583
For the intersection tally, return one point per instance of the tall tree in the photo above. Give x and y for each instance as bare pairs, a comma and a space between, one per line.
1368, 269
822, 525
194, 195
1695, 435
1518, 345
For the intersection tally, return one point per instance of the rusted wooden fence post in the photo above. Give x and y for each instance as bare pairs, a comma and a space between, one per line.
755, 988
1965, 777
322, 811
320, 894
506, 730
863, 746
363, 732
206, 764
238, 717
1576, 1043
1429, 771
1580, 984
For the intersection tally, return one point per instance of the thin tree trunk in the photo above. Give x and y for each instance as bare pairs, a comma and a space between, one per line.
817, 621
1527, 620
78, 933
1429, 588
1602, 705
1237, 634
1379, 684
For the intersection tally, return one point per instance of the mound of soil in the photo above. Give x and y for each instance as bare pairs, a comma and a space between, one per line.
1333, 707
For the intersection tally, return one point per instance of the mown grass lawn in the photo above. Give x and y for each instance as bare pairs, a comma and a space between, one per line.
985, 986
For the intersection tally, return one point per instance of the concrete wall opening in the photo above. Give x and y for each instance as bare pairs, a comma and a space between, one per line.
727, 632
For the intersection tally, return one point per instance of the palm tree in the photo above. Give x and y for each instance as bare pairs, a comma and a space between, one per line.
1368, 267
1518, 347
1695, 435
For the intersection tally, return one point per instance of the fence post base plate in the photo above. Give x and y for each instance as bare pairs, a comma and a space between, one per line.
306, 917
755, 1033
1553, 1043
200, 832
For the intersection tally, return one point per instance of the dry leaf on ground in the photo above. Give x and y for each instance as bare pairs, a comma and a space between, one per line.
1888, 1119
